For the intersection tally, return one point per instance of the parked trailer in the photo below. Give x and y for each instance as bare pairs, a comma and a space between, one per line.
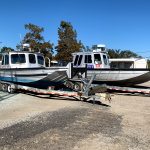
140, 90
85, 92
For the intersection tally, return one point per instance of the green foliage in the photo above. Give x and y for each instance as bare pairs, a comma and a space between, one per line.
86, 48
36, 41
148, 62
67, 42
113, 53
6, 49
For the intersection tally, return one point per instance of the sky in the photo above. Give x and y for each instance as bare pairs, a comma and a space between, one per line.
119, 24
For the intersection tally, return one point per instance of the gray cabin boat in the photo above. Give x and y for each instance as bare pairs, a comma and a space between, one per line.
28, 68
97, 62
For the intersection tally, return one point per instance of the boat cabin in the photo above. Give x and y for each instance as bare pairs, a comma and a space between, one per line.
127, 63
22, 59
97, 58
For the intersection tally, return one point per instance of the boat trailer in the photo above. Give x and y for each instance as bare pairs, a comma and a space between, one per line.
132, 90
85, 92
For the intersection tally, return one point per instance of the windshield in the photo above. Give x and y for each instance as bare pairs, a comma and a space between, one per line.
40, 60
97, 59
18, 58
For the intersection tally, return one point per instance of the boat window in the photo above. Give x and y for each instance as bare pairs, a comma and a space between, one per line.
40, 60
18, 58
5, 60
128, 65
32, 59
105, 59
80, 59
76, 60
97, 59
1, 57
88, 59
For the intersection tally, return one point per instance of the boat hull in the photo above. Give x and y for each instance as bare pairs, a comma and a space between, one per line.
119, 76
35, 77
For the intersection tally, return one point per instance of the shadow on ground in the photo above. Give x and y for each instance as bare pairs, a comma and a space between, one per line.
4, 96
95, 102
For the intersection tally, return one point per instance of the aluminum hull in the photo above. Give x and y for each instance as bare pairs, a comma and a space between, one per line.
34, 77
119, 76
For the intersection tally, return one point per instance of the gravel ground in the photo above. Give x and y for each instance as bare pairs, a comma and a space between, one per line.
38, 122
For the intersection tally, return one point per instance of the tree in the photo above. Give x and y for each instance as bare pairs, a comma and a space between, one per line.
113, 53
36, 41
86, 48
121, 54
67, 43
6, 49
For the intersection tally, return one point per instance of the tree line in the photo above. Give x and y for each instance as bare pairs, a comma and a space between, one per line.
67, 43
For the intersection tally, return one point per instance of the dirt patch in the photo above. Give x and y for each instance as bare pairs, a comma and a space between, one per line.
29, 122
63, 129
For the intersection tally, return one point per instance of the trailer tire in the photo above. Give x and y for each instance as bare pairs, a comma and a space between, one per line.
77, 86
0, 86
10, 89
69, 84
4, 87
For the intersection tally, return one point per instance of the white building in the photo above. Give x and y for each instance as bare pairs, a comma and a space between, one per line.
126, 63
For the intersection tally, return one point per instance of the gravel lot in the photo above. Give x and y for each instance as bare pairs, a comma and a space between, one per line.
30, 122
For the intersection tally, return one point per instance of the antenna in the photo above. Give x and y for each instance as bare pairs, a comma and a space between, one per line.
21, 44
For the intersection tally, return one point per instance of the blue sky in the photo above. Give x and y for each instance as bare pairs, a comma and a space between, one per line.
119, 24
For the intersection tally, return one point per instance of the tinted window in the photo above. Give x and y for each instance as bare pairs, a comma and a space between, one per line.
22, 58
32, 59
40, 60
6, 59
105, 59
18, 58
88, 59
97, 59
3, 60
0, 57
80, 59
76, 60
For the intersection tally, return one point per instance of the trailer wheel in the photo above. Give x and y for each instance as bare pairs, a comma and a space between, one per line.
77, 86
10, 89
4, 87
0, 86
69, 84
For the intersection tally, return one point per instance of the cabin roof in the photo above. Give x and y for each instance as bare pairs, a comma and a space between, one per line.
22, 52
88, 52
125, 59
